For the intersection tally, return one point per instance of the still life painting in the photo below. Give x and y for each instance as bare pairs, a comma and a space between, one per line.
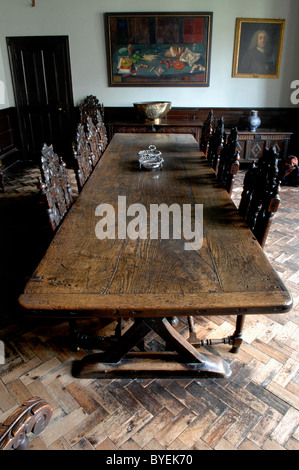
165, 49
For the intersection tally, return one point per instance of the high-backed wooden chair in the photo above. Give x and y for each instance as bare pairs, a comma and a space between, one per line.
92, 114
83, 157
32, 416
216, 144
207, 130
260, 197
259, 203
55, 185
229, 161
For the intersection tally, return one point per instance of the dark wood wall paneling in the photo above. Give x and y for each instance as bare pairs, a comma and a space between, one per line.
272, 118
281, 119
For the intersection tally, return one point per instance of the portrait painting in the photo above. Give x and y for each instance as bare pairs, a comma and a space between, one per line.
258, 47
158, 49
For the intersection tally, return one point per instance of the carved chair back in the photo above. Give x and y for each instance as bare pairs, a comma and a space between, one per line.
55, 185
92, 114
216, 144
260, 197
89, 107
83, 158
32, 416
229, 161
101, 129
94, 141
206, 133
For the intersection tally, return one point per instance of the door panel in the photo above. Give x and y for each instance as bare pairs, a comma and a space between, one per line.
41, 74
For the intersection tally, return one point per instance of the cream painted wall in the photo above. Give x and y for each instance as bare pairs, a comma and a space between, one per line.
82, 21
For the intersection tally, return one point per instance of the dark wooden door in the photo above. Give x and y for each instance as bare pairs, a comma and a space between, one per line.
41, 73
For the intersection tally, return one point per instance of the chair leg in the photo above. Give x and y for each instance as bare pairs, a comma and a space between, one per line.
237, 336
174, 321
192, 332
235, 340
73, 335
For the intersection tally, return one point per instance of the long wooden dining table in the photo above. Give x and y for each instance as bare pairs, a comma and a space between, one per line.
95, 269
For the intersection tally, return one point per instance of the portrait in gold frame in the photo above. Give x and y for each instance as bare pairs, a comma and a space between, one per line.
258, 47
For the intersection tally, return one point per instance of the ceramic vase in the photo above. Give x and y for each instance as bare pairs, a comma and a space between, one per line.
253, 120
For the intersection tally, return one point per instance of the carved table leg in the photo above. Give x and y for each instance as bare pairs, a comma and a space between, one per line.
179, 359
237, 336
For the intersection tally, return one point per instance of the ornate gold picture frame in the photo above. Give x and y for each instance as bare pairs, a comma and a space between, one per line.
158, 49
258, 47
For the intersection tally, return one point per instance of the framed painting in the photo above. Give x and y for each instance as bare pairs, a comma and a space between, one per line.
158, 49
258, 47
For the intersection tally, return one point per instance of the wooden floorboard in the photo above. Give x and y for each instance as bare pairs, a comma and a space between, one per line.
256, 408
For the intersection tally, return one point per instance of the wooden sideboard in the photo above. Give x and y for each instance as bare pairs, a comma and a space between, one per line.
252, 144
170, 126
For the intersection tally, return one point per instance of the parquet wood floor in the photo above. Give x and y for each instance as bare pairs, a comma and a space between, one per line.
257, 408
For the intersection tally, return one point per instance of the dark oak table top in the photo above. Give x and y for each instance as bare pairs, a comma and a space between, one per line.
151, 279
229, 274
